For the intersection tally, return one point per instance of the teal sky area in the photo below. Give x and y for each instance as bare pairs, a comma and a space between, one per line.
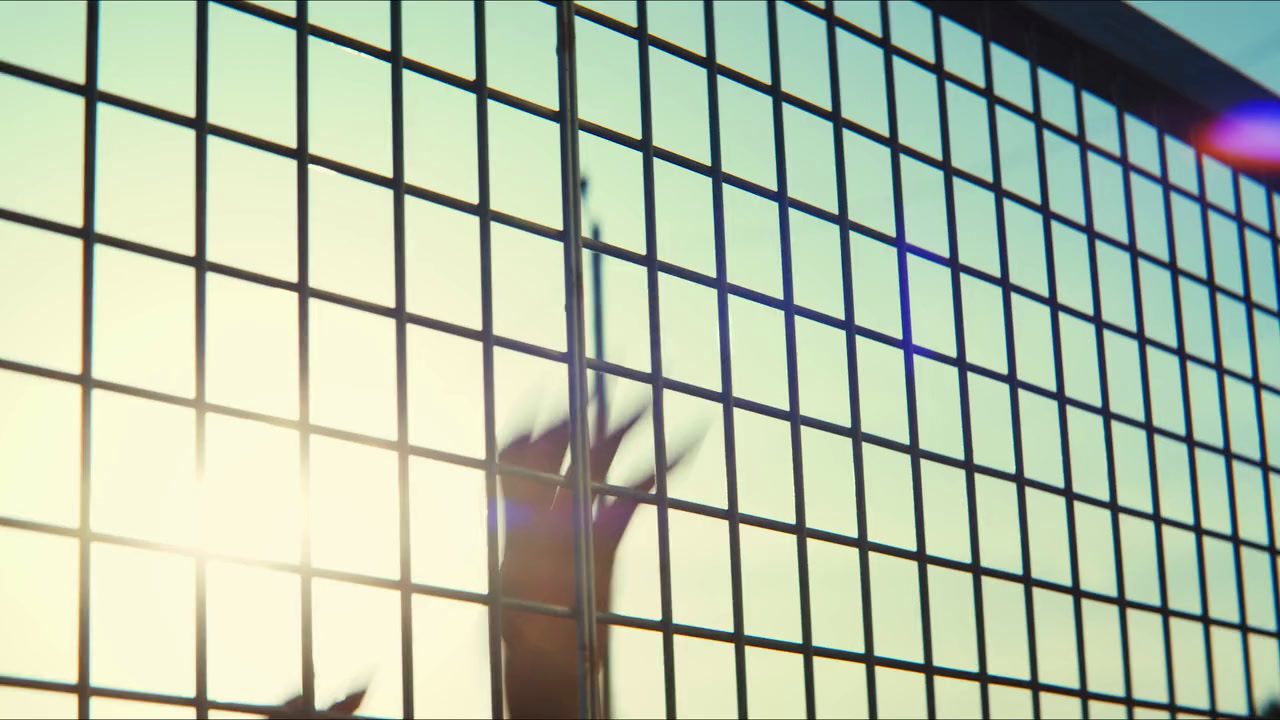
1245, 34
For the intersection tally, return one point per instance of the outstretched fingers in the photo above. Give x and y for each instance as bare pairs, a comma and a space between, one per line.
525, 499
604, 451
516, 452
297, 707
349, 704
543, 453
601, 455
613, 518
294, 707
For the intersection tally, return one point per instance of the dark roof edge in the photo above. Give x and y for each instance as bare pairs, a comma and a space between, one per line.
1118, 53
1146, 45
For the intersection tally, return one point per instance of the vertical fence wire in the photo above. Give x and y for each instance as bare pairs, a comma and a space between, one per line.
658, 390
304, 354
1229, 446
904, 302
843, 172
579, 459
967, 419
1193, 431
1073, 542
792, 361
1101, 365
84, 680
1269, 477
726, 363
1264, 451
492, 502
402, 361
1144, 376
202, 300
1020, 449
1228, 441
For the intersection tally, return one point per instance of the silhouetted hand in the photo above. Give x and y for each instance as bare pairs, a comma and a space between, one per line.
296, 708
537, 565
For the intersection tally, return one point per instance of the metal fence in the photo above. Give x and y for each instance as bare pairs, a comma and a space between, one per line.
1079, 311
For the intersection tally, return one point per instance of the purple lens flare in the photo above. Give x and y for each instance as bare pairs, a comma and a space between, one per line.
1246, 135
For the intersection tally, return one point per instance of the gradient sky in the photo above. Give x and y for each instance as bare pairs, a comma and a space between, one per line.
1242, 33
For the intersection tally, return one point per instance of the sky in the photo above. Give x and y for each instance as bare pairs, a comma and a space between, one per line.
247, 504
1243, 34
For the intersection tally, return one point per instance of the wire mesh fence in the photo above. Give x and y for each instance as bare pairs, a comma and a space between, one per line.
984, 354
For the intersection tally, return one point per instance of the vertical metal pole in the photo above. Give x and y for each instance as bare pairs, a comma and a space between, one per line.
602, 421
602, 412
597, 325
84, 681
402, 362
304, 357
597, 306
580, 471
492, 504
201, 271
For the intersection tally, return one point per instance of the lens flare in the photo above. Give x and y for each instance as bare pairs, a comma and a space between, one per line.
1247, 135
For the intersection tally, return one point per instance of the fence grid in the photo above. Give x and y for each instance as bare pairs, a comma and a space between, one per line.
1232, 281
